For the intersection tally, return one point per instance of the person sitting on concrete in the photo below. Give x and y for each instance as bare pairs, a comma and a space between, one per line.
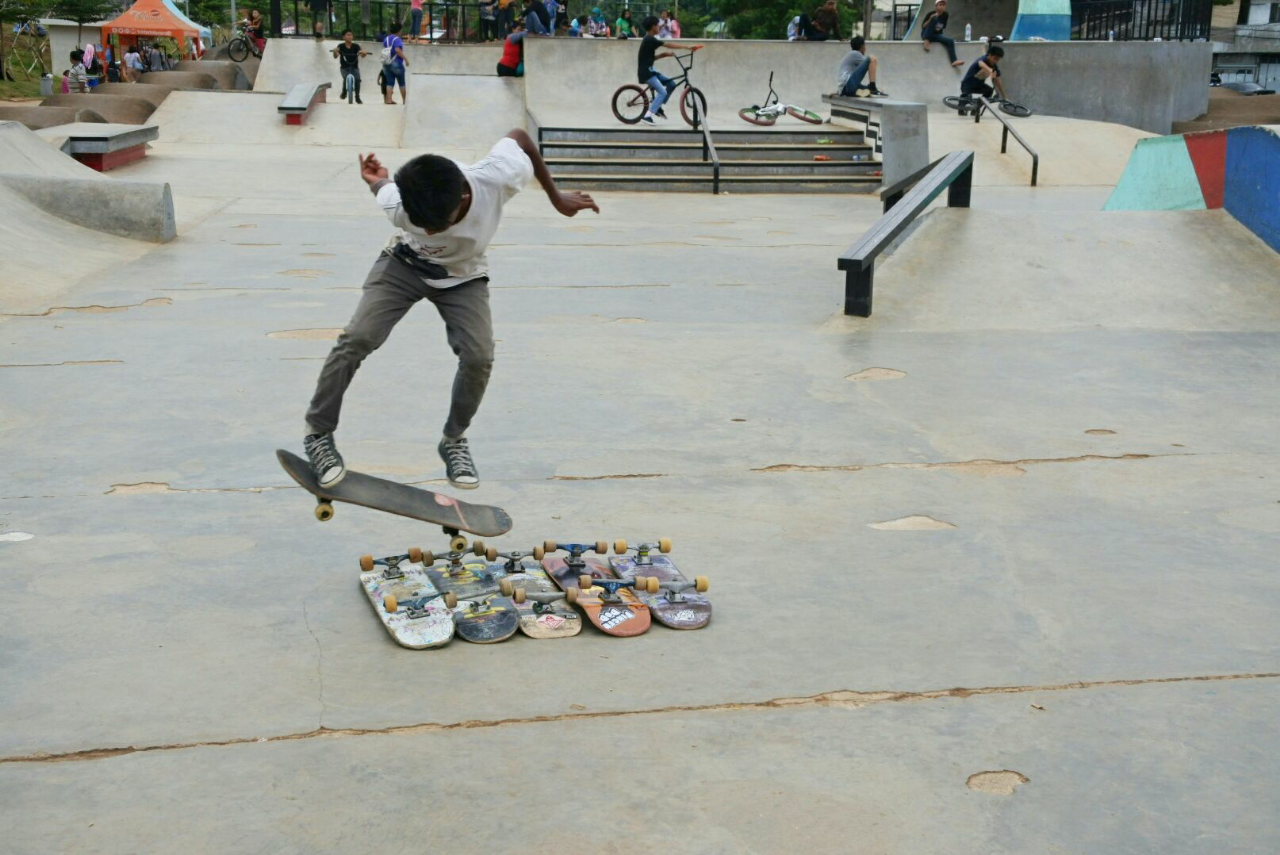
662, 85
984, 68
597, 25
578, 27
623, 26
393, 64
537, 21
855, 67
824, 24
348, 54
931, 31
512, 62
77, 77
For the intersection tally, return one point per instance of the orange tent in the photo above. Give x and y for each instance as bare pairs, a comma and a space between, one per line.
149, 18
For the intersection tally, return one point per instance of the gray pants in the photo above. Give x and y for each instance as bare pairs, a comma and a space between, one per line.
391, 288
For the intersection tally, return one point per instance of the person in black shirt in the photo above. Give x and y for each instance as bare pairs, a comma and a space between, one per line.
348, 54
984, 68
646, 73
931, 31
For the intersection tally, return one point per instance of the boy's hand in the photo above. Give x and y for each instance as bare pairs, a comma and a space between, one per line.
371, 170
571, 202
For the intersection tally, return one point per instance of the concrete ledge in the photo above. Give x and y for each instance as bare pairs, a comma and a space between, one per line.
120, 109
897, 130
140, 210
102, 146
300, 99
36, 117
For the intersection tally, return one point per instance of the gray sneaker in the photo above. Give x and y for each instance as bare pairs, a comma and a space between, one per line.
326, 462
459, 466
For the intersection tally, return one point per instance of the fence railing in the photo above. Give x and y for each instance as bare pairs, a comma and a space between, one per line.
903, 15
1141, 20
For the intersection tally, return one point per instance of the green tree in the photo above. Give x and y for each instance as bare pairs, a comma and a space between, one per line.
85, 12
13, 12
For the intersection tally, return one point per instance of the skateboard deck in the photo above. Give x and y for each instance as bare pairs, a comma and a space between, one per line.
368, 491
405, 600
487, 620
673, 600
609, 603
544, 612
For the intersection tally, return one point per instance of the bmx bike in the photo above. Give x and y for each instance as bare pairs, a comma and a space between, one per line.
773, 107
241, 46
967, 105
349, 87
631, 101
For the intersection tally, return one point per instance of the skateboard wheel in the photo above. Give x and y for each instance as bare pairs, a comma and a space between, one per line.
651, 584
518, 595
584, 582
451, 599
664, 544
549, 545
539, 553
428, 558
602, 548
366, 563
619, 547
571, 595
491, 553
478, 547
505, 587
457, 543
415, 555
700, 584
324, 512
389, 603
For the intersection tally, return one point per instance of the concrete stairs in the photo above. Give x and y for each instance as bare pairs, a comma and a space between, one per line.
672, 159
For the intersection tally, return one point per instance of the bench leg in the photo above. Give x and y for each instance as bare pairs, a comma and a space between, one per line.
857, 291
958, 192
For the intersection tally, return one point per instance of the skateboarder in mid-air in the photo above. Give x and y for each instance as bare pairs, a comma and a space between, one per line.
446, 214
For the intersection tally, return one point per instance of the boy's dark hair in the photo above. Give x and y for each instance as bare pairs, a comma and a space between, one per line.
344, 32
649, 23
394, 28
857, 43
430, 190
995, 50
77, 55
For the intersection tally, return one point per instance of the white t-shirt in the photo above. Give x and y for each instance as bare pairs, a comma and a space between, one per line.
460, 249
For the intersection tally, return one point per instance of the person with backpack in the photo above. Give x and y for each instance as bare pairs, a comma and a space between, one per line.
393, 64
931, 31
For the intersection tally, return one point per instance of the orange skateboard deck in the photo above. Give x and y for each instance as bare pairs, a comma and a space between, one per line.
607, 601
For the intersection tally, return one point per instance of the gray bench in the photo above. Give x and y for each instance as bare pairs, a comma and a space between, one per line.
100, 145
897, 130
299, 101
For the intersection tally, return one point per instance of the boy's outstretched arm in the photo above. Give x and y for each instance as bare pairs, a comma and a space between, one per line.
569, 203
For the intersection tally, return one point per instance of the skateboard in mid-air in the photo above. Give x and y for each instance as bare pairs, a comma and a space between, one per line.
357, 488
416, 613
589, 583
672, 599
484, 612
544, 612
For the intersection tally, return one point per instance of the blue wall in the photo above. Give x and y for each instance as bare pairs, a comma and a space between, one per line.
1251, 192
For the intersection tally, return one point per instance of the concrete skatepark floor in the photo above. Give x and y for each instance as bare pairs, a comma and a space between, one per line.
993, 570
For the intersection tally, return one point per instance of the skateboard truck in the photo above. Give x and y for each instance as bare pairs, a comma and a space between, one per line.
417, 607
642, 550
514, 557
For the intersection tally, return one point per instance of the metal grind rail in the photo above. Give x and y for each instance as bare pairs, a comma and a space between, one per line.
1004, 136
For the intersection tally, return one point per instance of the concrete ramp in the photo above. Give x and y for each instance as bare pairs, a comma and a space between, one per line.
250, 118
987, 17
461, 115
289, 61
971, 269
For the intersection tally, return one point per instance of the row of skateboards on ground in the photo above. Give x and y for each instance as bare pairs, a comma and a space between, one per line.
485, 596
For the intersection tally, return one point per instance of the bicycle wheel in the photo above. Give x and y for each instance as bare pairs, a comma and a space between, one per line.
630, 103
351, 88
955, 102
238, 50
693, 97
804, 115
1014, 109
755, 117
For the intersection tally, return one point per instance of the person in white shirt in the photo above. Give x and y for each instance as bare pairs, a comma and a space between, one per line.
446, 214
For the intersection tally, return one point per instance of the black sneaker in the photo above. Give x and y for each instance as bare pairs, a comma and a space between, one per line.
358, 101
459, 466
326, 462
661, 114
647, 119
876, 93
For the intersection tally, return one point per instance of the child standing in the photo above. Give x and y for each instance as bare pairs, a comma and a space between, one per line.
446, 214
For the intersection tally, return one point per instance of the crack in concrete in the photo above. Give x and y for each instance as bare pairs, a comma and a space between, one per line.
607, 477
978, 465
839, 699
306, 618
94, 309
59, 364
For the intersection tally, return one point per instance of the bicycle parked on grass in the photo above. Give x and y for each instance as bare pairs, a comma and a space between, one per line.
967, 105
241, 46
632, 100
773, 108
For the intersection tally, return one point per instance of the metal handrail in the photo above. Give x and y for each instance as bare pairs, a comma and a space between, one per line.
1004, 137
708, 148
